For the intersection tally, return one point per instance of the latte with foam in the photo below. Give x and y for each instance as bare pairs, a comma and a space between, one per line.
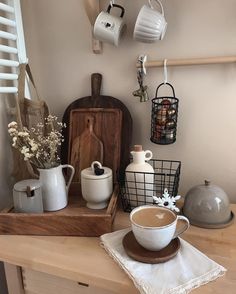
153, 217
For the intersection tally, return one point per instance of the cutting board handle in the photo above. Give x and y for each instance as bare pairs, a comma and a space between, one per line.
96, 82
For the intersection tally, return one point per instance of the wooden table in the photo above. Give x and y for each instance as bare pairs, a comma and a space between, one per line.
71, 265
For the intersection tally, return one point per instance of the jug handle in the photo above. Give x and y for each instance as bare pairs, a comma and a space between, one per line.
146, 155
159, 2
71, 175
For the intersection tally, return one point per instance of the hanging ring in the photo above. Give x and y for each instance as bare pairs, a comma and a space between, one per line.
142, 60
112, 2
165, 72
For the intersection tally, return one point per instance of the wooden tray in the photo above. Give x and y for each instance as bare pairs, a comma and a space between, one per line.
74, 220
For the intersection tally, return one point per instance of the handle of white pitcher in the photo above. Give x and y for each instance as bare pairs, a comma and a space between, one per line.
159, 2
183, 228
71, 174
148, 157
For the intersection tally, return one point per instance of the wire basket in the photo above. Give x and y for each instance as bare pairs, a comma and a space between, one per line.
164, 118
138, 188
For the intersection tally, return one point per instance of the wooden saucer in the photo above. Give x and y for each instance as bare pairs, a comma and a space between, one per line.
137, 252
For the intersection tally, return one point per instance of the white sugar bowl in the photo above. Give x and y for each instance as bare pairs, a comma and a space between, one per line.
96, 185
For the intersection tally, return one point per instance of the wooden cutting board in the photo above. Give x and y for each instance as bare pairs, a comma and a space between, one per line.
113, 126
100, 141
85, 148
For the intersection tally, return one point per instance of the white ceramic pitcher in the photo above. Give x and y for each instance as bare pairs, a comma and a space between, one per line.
54, 187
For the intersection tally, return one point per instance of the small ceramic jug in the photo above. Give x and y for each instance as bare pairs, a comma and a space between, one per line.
140, 177
54, 187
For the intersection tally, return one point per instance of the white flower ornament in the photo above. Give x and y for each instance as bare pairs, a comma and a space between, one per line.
167, 200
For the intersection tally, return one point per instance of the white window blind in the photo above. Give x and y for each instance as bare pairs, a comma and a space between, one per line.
12, 45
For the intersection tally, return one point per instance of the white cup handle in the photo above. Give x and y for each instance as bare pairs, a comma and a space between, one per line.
183, 228
159, 2
148, 157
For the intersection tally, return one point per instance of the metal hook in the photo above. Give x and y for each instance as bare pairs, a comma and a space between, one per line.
142, 91
165, 72
142, 60
112, 2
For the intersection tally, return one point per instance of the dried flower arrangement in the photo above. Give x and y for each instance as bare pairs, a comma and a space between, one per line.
167, 201
40, 144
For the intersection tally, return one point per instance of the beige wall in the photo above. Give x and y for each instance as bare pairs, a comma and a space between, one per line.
58, 40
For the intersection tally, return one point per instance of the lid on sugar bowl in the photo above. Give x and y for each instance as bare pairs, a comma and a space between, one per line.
22, 185
96, 172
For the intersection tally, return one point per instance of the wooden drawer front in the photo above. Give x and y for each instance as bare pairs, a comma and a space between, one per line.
41, 283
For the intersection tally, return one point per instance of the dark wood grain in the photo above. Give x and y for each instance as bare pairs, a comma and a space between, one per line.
107, 127
85, 146
137, 252
96, 100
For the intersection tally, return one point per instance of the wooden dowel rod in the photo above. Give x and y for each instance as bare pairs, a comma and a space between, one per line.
189, 61
92, 9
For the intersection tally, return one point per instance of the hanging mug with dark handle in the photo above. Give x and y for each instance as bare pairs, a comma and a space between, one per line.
109, 28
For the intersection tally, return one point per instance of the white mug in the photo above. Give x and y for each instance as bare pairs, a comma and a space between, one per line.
150, 25
109, 28
154, 227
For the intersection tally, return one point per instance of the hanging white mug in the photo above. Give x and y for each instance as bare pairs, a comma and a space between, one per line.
150, 25
109, 28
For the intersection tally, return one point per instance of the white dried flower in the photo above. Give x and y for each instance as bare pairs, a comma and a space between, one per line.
23, 134
12, 124
38, 144
14, 140
34, 147
24, 150
12, 131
